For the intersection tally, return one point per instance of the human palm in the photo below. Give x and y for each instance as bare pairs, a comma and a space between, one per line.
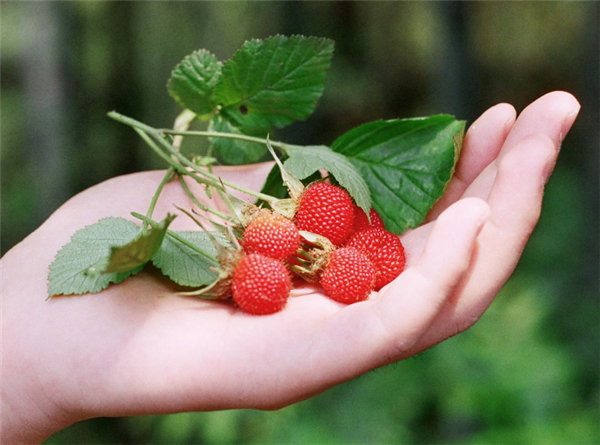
133, 349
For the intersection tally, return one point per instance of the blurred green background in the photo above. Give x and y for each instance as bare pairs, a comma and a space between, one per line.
527, 373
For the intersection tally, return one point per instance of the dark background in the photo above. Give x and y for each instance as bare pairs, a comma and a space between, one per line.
527, 373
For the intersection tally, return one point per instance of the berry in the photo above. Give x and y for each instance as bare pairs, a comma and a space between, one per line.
349, 277
260, 285
361, 222
326, 210
385, 251
272, 235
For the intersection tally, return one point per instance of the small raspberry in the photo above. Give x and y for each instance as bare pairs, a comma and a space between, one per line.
272, 235
349, 277
260, 285
385, 251
361, 222
326, 210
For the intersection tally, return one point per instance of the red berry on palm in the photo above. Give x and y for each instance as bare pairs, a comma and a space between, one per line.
349, 276
260, 285
384, 249
272, 235
326, 210
361, 221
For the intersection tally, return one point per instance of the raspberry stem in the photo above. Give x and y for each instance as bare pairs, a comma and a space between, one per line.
158, 135
215, 134
201, 206
158, 191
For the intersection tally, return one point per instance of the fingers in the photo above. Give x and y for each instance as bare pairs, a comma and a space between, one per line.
516, 195
552, 115
379, 331
515, 202
481, 146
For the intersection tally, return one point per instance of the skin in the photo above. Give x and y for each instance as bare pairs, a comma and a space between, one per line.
130, 350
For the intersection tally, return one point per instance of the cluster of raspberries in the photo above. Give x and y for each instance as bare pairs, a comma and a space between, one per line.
362, 256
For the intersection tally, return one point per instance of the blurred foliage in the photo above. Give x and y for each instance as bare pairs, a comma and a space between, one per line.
527, 373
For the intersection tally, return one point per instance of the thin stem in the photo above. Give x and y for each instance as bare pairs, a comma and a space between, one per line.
180, 168
162, 184
216, 178
157, 135
215, 134
175, 236
188, 192
131, 122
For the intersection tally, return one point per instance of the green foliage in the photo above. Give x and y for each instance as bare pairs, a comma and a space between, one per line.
406, 162
186, 265
271, 82
77, 267
193, 81
275, 81
234, 151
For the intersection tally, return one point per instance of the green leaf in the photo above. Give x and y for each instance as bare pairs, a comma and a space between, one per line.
274, 82
139, 250
407, 164
304, 161
233, 151
185, 265
69, 273
193, 81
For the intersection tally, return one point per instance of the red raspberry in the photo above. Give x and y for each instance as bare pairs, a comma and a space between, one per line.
326, 210
349, 277
260, 285
385, 251
272, 235
361, 222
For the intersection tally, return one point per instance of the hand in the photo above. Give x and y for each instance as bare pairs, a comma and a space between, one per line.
130, 350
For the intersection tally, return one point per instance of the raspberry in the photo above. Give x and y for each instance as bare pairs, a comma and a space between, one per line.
361, 222
326, 210
260, 285
272, 235
385, 251
349, 277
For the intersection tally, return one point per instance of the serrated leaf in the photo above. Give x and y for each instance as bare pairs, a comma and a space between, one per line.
304, 161
233, 151
407, 164
184, 265
193, 81
88, 247
139, 250
274, 82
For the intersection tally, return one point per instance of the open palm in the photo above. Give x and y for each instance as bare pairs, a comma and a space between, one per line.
132, 350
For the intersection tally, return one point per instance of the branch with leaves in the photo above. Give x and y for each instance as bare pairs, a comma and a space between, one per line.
399, 167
